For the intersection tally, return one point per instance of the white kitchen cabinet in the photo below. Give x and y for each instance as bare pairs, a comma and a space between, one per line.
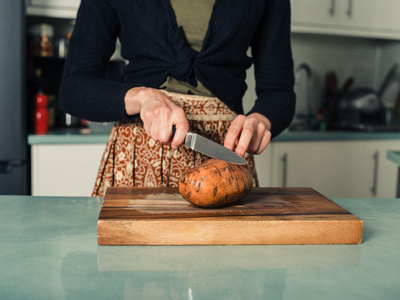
313, 12
53, 8
363, 18
333, 168
376, 15
263, 163
65, 169
337, 169
380, 173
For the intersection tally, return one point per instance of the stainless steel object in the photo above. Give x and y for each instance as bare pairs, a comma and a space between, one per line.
203, 145
298, 76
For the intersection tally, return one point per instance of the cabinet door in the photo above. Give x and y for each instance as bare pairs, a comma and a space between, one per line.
53, 8
333, 168
376, 15
263, 164
55, 3
364, 18
65, 170
380, 173
314, 12
356, 13
386, 15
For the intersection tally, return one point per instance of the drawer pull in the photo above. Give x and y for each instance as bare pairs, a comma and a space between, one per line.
332, 8
374, 187
284, 160
350, 9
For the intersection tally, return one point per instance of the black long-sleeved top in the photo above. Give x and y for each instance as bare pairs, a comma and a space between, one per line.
155, 47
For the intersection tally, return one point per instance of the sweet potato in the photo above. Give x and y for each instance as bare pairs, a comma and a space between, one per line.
216, 183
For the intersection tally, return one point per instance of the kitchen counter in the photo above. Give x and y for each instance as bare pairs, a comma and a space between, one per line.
394, 156
77, 136
49, 250
68, 136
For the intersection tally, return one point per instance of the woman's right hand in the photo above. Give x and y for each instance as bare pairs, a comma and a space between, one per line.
158, 113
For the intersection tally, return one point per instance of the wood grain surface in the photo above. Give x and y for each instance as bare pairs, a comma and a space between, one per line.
160, 216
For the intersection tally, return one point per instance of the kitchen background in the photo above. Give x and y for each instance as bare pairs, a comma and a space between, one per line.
367, 60
353, 39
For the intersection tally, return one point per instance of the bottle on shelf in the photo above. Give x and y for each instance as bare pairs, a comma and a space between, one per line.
41, 101
40, 39
41, 114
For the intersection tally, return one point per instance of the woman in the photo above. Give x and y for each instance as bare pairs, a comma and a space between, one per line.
187, 64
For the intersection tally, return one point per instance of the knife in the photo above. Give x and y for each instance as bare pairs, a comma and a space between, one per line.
210, 148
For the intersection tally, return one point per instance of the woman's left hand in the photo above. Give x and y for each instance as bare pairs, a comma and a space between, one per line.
248, 134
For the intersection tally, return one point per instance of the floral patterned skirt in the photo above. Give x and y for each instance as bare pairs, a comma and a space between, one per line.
132, 158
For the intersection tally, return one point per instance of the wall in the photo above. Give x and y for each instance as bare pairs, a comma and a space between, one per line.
390, 53
366, 60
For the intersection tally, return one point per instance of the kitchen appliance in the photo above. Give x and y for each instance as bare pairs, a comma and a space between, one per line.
390, 95
367, 109
390, 88
160, 216
358, 108
13, 145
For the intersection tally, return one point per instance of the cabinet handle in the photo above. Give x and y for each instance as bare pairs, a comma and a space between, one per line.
284, 160
374, 187
350, 9
8, 166
332, 8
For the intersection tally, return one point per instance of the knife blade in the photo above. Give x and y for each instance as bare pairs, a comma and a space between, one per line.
210, 148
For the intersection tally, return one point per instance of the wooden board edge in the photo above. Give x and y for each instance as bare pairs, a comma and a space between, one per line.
218, 232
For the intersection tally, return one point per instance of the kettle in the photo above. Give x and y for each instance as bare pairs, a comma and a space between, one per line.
359, 106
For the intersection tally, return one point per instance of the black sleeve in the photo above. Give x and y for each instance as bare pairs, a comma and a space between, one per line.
273, 66
84, 91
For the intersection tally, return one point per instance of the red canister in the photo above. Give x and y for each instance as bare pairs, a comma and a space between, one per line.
41, 114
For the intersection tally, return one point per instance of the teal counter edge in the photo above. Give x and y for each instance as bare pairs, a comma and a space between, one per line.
68, 137
394, 156
82, 137
336, 136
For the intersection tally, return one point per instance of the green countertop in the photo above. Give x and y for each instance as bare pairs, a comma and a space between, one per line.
76, 136
394, 156
49, 250
68, 136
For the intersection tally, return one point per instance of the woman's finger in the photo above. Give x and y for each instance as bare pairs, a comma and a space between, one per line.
264, 141
247, 135
182, 127
233, 134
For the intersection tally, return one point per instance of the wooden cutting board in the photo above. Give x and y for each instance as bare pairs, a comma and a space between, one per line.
266, 216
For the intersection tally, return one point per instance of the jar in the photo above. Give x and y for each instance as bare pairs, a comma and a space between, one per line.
390, 115
40, 39
62, 47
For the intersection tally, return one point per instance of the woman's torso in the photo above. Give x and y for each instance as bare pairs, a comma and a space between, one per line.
193, 17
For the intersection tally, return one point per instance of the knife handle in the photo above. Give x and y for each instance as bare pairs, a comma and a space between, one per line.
173, 132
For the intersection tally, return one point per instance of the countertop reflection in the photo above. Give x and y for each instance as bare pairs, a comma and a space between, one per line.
49, 250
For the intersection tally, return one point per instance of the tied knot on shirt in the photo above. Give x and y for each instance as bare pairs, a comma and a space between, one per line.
182, 68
